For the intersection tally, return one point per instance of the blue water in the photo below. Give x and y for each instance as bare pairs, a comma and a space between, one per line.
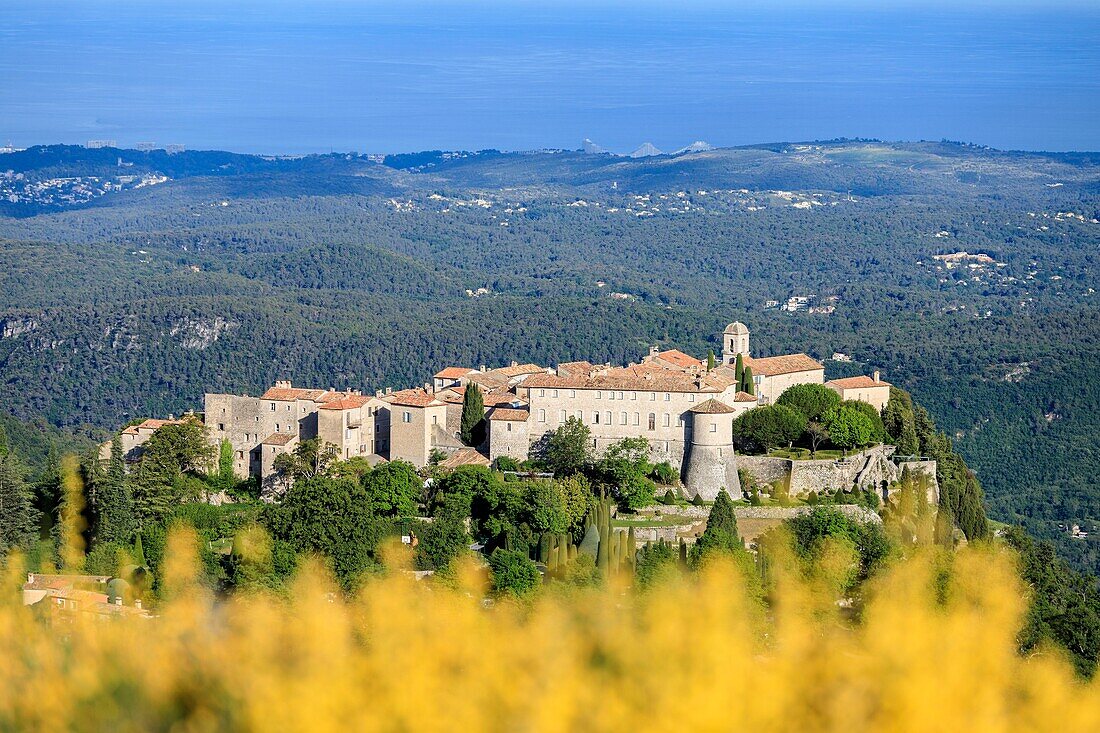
400, 76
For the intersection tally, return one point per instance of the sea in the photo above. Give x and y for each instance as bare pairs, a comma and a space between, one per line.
352, 75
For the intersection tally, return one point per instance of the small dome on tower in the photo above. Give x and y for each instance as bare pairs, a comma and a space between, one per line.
737, 329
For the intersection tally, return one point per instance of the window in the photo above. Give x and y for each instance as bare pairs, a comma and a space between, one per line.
610, 395
221, 426
573, 394
563, 416
406, 416
679, 421
598, 394
620, 395
288, 408
637, 417
633, 395
542, 393
347, 433
257, 418
435, 419
713, 428
554, 393
596, 417
652, 396
691, 397
580, 415
607, 418
667, 397
623, 420
276, 427
509, 424
666, 421
652, 421
273, 407
542, 415
240, 454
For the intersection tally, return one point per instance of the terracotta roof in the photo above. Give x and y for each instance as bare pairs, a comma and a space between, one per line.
452, 372
788, 364
346, 403
856, 383
509, 414
575, 368
712, 407
280, 438
285, 394
151, 424
519, 370
492, 398
643, 378
679, 359
464, 457
415, 397
744, 397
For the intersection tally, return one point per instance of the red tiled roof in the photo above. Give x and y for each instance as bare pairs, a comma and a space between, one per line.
151, 424
291, 393
452, 372
415, 397
861, 382
575, 368
346, 403
712, 407
643, 378
280, 438
465, 457
679, 359
744, 397
519, 370
788, 364
509, 414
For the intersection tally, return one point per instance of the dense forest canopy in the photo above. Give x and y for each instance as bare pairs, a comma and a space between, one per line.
225, 272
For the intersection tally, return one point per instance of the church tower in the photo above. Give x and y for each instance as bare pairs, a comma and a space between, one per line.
735, 340
711, 463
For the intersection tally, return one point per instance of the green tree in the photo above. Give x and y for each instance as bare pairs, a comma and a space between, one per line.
18, 518
393, 489
568, 448
768, 426
311, 457
472, 424
809, 531
513, 574
226, 478
849, 427
444, 539
116, 505
545, 508
720, 536
711, 361
812, 400
656, 562
747, 383
739, 371
179, 448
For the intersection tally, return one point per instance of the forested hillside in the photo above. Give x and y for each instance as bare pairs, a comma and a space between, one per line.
225, 272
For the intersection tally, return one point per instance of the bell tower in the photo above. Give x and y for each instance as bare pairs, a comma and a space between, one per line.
735, 340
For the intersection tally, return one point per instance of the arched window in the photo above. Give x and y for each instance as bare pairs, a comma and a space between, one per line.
652, 421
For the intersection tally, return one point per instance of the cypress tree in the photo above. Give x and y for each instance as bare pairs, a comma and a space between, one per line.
711, 362
683, 552
632, 547
739, 370
746, 381
139, 552
473, 415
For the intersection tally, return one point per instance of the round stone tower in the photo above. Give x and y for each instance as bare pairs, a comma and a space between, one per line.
711, 465
735, 340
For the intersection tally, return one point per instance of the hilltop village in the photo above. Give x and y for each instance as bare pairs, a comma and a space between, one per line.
682, 406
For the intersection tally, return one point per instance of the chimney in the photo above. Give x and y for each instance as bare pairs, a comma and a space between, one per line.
654, 350
876, 376
515, 363
389, 390
377, 393
482, 367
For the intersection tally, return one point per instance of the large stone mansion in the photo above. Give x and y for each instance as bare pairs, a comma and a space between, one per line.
670, 398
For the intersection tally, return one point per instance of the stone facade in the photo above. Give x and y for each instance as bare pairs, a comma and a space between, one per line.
508, 434
711, 464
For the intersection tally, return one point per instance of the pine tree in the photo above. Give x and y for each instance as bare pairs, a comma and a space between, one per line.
473, 415
116, 505
17, 513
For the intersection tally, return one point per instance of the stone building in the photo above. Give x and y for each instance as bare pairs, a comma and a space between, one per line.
711, 463
508, 435
871, 390
418, 426
134, 437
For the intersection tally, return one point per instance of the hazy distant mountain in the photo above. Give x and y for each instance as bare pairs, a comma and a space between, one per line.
699, 146
645, 150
